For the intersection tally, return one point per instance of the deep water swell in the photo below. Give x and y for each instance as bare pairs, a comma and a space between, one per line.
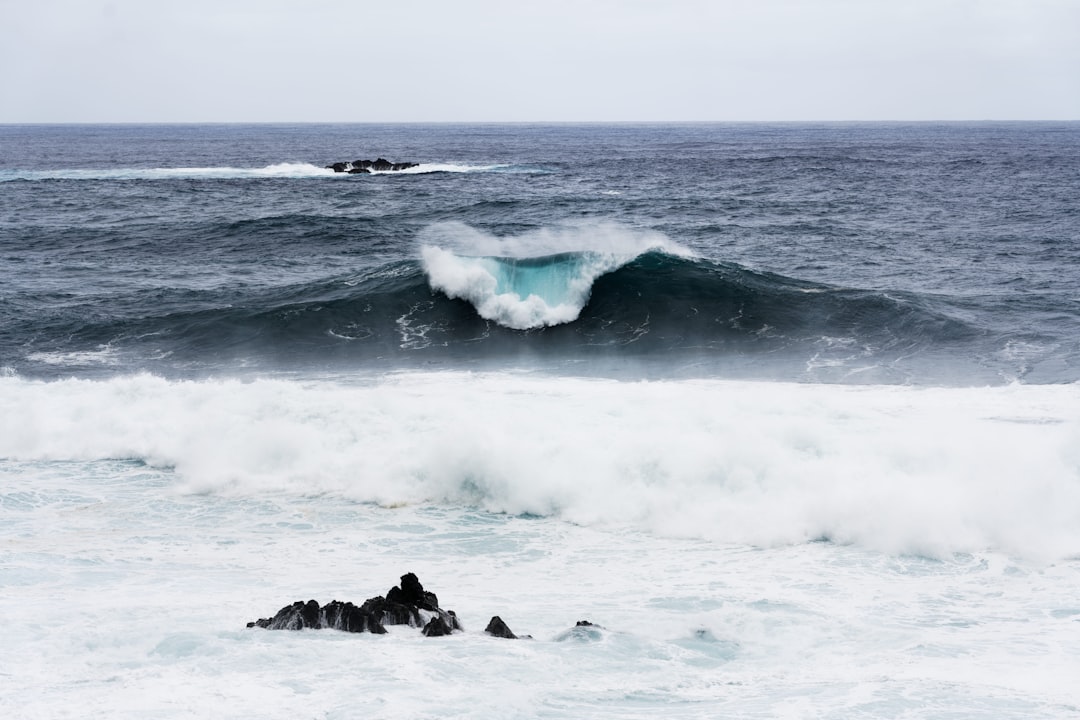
657, 307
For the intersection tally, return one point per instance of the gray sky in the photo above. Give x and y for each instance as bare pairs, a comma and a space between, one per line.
507, 60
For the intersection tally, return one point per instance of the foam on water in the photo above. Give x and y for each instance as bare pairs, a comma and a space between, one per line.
928, 471
104, 355
127, 599
286, 170
423, 168
143, 522
276, 170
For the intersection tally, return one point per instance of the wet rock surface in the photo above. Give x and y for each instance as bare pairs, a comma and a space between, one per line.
356, 167
404, 604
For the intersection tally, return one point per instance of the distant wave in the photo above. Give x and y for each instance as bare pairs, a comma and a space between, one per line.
278, 170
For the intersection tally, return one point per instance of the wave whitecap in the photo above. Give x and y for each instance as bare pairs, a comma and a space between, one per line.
537, 280
520, 293
276, 170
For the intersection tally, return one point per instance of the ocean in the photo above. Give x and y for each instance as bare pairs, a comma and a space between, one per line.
790, 413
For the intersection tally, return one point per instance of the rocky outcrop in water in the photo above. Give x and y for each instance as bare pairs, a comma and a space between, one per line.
404, 604
497, 628
366, 166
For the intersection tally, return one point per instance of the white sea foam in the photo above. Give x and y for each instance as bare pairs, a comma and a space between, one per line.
126, 586
931, 471
444, 168
283, 170
104, 355
489, 271
276, 170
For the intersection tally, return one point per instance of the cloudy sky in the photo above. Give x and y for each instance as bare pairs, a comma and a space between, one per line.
543, 60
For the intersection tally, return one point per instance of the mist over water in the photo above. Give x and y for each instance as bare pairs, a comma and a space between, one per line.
791, 413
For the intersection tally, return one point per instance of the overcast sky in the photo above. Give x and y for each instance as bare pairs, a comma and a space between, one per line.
549, 60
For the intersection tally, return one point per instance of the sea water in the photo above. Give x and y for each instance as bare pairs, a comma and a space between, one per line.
791, 413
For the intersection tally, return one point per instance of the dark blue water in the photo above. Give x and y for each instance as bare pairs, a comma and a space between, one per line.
897, 253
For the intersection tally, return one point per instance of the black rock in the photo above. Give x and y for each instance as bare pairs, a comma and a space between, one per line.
411, 592
346, 616
437, 627
357, 167
335, 614
297, 616
391, 612
403, 605
498, 628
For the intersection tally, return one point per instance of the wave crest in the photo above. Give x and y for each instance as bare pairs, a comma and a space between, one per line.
536, 280
519, 294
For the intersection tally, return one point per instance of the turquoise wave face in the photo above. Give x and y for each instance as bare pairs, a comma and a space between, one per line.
557, 279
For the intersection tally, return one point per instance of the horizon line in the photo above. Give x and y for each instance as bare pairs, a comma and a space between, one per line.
536, 122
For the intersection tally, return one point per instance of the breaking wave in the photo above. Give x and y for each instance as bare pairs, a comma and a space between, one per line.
908, 470
521, 290
558, 295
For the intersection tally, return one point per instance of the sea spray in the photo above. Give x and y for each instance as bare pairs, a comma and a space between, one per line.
927, 471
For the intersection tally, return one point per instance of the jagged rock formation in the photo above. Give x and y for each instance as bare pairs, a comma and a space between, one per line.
367, 166
407, 604
335, 614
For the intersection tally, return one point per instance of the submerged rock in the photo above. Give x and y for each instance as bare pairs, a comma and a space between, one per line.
583, 631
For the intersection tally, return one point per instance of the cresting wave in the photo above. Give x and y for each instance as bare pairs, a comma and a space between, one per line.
537, 280
478, 298
278, 170
904, 470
